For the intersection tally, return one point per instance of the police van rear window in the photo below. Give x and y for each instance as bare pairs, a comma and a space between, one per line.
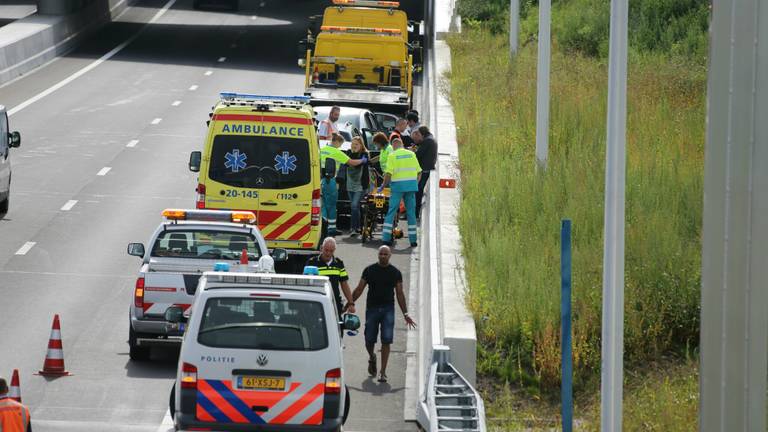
205, 245
265, 324
260, 162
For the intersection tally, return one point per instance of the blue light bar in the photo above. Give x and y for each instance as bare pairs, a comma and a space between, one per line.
229, 95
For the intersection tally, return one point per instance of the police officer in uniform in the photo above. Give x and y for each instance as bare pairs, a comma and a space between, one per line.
403, 173
329, 190
329, 265
14, 417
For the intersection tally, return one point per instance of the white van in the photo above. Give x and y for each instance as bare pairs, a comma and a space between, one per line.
261, 352
8, 140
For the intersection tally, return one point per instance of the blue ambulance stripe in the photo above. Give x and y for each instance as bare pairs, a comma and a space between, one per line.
235, 401
212, 409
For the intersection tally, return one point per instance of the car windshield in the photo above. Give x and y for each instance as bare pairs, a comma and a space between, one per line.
267, 324
260, 162
205, 245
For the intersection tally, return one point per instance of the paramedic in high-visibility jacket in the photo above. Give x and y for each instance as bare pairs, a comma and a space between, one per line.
402, 176
329, 190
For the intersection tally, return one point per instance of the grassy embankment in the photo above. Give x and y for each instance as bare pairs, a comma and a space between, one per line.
512, 245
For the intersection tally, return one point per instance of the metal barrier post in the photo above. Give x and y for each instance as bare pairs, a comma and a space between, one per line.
566, 389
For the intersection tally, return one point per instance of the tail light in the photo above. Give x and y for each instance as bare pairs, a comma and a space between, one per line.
201, 196
138, 293
188, 376
316, 207
333, 381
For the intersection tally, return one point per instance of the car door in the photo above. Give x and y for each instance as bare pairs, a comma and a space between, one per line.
5, 161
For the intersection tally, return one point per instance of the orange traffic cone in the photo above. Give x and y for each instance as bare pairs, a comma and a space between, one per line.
54, 358
15, 391
316, 75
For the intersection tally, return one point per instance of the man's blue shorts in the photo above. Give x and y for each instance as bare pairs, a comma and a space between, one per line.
380, 316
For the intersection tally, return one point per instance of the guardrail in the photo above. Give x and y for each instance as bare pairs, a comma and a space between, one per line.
447, 399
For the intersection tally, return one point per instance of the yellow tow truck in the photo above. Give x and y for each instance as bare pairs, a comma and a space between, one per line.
362, 55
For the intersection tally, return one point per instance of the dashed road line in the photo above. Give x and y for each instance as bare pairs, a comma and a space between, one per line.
103, 171
208, 73
222, 59
24, 249
68, 206
167, 423
176, 103
157, 121
193, 87
132, 143
91, 66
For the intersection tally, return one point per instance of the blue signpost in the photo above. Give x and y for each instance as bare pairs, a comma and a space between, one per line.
566, 389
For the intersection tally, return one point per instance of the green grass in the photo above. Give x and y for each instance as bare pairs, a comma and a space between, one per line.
510, 214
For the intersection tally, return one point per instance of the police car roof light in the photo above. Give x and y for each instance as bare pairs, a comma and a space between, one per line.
256, 279
244, 217
248, 96
374, 3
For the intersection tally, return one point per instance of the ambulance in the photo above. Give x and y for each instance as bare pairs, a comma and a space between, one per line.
261, 154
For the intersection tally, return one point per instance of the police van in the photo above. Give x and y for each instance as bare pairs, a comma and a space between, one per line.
261, 154
186, 244
8, 140
261, 353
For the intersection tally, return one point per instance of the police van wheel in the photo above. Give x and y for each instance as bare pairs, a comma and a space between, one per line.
136, 353
346, 406
172, 402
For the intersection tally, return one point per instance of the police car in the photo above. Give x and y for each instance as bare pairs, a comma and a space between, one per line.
261, 353
186, 244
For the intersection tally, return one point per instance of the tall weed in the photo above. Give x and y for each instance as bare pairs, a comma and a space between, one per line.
510, 213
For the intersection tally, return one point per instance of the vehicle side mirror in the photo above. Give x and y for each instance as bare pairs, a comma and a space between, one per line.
175, 314
14, 139
136, 249
279, 255
194, 161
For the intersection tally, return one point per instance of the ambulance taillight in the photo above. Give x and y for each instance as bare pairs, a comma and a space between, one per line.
200, 196
316, 208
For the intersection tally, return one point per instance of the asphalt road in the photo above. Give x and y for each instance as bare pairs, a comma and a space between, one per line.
116, 140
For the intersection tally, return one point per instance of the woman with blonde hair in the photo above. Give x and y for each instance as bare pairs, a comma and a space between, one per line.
355, 183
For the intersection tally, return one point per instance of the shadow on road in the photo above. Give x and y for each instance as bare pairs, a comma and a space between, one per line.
162, 364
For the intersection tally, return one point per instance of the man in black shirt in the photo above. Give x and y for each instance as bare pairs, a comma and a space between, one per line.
329, 265
384, 281
426, 153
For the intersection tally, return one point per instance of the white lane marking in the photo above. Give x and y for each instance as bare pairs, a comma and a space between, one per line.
103, 171
91, 66
176, 103
24, 249
68, 206
157, 121
193, 87
222, 59
208, 73
132, 143
253, 17
167, 423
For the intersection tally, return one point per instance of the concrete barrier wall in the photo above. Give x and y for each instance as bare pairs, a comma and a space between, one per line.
37, 39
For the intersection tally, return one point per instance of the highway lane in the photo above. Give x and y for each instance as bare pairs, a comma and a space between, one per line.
134, 118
